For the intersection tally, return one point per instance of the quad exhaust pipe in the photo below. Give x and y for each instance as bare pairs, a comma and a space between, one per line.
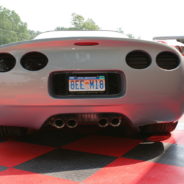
71, 123
60, 123
103, 123
115, 122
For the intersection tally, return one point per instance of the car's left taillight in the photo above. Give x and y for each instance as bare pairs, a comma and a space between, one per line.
34, 61
7, 62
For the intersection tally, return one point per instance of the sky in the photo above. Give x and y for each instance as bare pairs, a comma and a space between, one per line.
142, 18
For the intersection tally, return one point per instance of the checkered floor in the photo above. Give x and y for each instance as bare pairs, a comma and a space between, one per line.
91, 157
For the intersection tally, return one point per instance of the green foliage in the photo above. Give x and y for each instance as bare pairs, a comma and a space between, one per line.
33, 34
12, 29
79, 23
65, 28
120, 30
89, 24
130, 35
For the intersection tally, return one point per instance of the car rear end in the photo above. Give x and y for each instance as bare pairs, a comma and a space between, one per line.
91, 80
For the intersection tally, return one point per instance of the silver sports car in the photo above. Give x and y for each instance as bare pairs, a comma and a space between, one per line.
73, 78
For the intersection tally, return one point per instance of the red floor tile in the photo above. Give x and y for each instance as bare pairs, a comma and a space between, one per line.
15, 176
13, 153
177, 137
129, 171
110, 146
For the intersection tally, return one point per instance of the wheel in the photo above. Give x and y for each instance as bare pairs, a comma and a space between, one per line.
158, 129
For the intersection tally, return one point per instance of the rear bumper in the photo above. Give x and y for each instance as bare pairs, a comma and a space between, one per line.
35, 116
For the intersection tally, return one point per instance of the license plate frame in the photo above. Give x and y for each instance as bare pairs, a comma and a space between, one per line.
86, 84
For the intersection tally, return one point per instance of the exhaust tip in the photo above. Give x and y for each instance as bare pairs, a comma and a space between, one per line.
72, 124
116, 122
103, 123
58, 123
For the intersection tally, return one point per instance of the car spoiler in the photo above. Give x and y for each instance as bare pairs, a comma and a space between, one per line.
175, 41
177, 38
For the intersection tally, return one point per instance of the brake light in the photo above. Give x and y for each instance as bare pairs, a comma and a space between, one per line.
86, 43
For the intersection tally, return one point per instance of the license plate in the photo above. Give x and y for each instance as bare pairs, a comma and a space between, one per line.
92, 83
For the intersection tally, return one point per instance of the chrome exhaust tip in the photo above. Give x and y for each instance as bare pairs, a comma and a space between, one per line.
103, 123
71, 123
115, 122
58, 123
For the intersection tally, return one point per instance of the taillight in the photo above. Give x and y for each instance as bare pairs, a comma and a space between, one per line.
167, 60
138, 59
34, 61
7, 62
86, 43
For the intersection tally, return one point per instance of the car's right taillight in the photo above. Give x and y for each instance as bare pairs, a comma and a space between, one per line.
138, 59
167, 60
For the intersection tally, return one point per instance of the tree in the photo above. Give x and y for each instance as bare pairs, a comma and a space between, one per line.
79, 23
129, 35
12, 29
33, 34
65, 28
120, 30
89, 24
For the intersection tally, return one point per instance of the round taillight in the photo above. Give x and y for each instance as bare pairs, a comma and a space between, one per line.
7, 62
167, 60
138, 59
34, 61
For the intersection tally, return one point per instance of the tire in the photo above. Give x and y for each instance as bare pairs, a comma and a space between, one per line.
158, 129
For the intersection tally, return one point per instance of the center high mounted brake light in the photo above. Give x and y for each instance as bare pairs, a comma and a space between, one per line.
86, 43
